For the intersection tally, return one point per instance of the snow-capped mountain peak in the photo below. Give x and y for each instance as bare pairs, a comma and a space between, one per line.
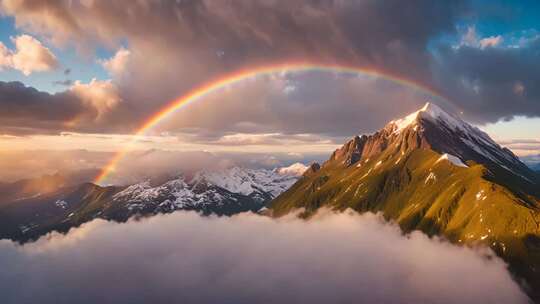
248, 181
433, 128
431, 112
447, 133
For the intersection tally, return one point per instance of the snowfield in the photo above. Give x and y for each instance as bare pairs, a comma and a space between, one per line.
453, 159
210, 188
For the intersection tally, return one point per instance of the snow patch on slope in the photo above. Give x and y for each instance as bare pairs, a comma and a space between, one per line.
453, 159
432, 112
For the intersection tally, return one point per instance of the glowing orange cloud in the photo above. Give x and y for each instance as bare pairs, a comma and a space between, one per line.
200, 92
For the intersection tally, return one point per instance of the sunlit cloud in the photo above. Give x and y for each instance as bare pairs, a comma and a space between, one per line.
29, 56
103, 96
116, 65
183, 257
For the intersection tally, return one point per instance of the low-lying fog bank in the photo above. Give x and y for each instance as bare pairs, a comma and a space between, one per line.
185, 258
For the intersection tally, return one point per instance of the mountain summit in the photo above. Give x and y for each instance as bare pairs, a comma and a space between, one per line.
434, 129
447, 133
432, 171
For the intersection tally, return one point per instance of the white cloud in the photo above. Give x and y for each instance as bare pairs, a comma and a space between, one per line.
296, 169
116, 66
29, 56
103, 96
185, 258
5, 57
492, 41
471, 39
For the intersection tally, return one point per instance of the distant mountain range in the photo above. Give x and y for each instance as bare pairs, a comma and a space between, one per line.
433, 172
34, 207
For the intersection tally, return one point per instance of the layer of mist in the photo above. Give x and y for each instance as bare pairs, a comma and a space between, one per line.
185, 258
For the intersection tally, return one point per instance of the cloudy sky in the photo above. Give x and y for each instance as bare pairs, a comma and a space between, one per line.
85, 74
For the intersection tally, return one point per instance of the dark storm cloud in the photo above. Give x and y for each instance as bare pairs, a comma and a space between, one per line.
333, 106
189, 42
246, 30
493, 83
25, 110
24, 107
182, 44
185, 258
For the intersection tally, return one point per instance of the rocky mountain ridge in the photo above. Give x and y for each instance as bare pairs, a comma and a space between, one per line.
434, 129
223, 192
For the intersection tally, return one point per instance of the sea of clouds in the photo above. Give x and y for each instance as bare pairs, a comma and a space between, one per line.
185, 258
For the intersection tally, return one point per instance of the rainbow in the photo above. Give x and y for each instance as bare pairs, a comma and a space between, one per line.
215, 85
